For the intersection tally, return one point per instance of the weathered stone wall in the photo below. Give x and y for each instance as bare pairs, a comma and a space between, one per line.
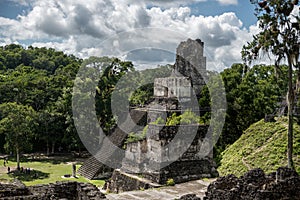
153, 157
155, 148
14, 189
179, 171
255, 184
163, 135
171, 87
135, 154
183, 171
190, 197
59, 190
121, 182
191, 63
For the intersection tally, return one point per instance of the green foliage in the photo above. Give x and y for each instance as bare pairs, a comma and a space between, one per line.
17, 122
25, 85
145, 78
38, 77
279, 35
142, 95
278, 30
251, 93
187, 117
11, 56
109, 76
263, 145
51, 122
43, 79
170, 182
173, 120
135, 137
158, 121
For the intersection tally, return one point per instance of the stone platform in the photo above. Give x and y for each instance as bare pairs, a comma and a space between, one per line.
122, 181
59, 190
197, 187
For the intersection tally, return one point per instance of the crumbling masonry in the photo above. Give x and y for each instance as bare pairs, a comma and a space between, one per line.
154, 158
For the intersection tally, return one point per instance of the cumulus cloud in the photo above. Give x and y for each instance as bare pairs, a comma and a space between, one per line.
169, 3
126, 29
228, 2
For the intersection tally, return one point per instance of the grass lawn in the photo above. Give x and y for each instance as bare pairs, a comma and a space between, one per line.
44, 171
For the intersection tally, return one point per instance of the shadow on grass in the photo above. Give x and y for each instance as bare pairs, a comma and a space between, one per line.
33, 175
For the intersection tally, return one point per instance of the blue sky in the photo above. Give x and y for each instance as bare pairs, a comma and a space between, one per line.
119, 28
10, 9
244, 10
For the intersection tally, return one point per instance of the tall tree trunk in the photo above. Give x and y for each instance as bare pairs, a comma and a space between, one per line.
18, 158
290, 100
53, 147
48, 148
298, 80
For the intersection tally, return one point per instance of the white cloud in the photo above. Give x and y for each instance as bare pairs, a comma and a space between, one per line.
228, 2
295, 12
118, 28
6, 21
168, 3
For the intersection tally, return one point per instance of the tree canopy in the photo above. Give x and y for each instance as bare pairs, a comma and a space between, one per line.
279, 35
17, 124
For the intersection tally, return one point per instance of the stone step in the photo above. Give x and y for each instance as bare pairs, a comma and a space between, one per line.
197, 187
91, 167
121, 181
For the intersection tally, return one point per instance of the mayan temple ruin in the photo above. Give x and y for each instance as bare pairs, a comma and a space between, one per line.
167, 151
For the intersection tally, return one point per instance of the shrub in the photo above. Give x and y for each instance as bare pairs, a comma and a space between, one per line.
159, 121
188, 117
134, 137
173, 120
170, 182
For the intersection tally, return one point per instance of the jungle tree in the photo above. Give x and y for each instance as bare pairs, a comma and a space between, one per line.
279, 36
17, 122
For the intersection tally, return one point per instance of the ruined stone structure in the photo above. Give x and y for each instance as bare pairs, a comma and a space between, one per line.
153, 157
128, 182
255, 184
189, 166
191, 63
92, 167
172, 87
59, 190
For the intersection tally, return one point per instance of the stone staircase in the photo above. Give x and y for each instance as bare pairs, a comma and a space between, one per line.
90, 168
93, 167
